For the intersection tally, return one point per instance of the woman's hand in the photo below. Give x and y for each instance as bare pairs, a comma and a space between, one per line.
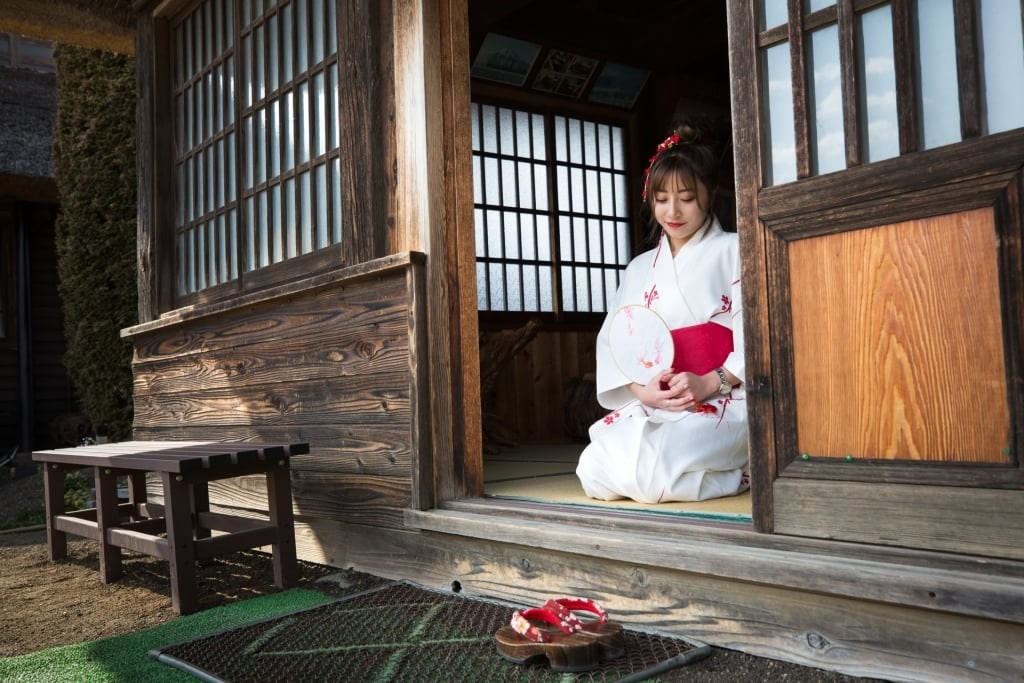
667, 391
677, 392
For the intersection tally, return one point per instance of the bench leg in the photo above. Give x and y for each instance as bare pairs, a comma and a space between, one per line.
279, 499
107, 515
137, 493
53, 493
200, 504
178, 510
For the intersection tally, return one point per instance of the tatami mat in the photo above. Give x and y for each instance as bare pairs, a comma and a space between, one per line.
508, 470
546, 474
540, 452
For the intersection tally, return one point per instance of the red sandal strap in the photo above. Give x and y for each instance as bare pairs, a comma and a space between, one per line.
521, 624
563, 608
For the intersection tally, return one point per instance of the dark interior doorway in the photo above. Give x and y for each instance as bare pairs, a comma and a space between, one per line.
536, 410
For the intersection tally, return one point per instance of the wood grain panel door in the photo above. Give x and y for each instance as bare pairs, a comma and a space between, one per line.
879, 192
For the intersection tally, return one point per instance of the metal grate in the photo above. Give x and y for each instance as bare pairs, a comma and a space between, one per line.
400, 632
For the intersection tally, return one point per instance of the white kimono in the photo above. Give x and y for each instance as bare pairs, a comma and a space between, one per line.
656, 456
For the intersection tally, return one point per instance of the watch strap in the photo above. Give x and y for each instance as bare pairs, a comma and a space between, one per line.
724, 387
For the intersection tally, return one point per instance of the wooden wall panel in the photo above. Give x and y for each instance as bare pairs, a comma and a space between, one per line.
353, 448
317, 316
958, 520
374, 501
531, 391
347, 353
378, 398
898, 343
329, 364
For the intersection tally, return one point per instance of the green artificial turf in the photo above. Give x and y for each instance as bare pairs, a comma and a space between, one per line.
125, 659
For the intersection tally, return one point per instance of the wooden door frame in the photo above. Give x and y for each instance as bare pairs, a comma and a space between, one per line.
458, 449
977, 172
747, 146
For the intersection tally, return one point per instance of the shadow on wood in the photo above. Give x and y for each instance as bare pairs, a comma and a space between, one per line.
495, 354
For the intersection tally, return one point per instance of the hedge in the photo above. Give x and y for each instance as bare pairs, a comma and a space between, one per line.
94, 168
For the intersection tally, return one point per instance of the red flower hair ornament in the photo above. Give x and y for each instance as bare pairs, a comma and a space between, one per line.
668, 143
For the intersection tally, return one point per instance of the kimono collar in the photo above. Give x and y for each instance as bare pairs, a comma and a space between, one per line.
697, 237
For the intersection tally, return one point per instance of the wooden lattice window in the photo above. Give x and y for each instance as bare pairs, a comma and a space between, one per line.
256, 91
857, 81
552, 228
19, 52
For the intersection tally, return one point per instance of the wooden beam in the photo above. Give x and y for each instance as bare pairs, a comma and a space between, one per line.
850, 86
986, 164
980, 522
858, 637
65, 21
460, 241
966, 31
748, 148
906, 101
423, 65
798, 74
139, 541
923, 587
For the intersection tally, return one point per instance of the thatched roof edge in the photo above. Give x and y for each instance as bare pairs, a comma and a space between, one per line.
61, 21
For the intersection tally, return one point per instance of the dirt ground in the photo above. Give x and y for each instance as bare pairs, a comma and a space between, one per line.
44, 604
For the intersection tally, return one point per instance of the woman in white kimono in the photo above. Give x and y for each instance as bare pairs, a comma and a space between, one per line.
682, 436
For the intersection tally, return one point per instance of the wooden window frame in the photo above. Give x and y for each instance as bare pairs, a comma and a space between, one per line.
249, 276
979, 171
844, 14
485, 93
554, 215
360, 139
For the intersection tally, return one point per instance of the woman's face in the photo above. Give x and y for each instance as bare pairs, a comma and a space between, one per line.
678, 209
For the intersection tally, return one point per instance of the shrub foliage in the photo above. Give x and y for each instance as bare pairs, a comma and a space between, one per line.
94, 168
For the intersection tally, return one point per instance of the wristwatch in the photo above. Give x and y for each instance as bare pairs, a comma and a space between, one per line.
724, 389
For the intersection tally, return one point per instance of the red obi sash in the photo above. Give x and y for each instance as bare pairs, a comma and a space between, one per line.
701, 348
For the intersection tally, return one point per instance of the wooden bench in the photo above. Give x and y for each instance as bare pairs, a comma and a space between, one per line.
180, 530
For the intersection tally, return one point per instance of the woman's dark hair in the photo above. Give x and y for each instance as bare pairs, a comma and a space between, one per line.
693, 160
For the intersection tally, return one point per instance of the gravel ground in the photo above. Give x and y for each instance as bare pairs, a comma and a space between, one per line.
28, 580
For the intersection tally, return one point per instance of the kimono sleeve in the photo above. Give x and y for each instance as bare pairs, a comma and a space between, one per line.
736, 362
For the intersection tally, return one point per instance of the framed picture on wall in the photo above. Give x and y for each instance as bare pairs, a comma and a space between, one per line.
504, 59
564, 73
619, 85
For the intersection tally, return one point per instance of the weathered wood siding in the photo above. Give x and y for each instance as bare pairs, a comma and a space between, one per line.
880, 614
531, 392
329, 360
